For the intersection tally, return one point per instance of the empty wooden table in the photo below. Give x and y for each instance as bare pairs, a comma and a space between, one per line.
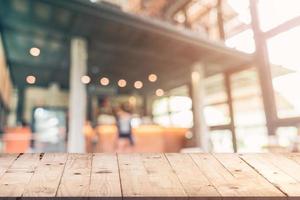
150, 176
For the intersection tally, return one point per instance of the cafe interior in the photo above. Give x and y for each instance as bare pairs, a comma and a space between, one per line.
194, 75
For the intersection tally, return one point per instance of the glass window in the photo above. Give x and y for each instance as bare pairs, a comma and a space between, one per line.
251, 138
160, 106
221, 141
237, 19
180, 103
216, 109
241, 8
245, 84
175, 110
275, 12
287, 136
182, 119
163, 120
215, 90
283, 50
248, 110
217, 114
242, 41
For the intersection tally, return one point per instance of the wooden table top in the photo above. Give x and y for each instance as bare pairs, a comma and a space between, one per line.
147, 176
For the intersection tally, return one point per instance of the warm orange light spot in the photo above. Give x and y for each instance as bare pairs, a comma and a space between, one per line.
30, 79
34, 51
159, 92
122, 83
104, 81
138, 84
85, 79
152, 77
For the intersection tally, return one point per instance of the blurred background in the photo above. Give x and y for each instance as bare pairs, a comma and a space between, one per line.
149, 76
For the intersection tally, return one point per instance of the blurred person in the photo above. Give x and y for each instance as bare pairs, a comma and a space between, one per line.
104, 112
103, 118
125, 141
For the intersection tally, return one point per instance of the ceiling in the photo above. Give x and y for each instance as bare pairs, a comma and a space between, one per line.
120, 45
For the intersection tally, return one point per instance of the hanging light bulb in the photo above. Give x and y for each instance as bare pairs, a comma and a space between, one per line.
85, 79
34, 51
104, 81
138, 84
30, 79
159, 92
152, 77
122, 83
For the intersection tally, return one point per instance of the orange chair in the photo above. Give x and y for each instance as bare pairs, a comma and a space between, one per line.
17, 140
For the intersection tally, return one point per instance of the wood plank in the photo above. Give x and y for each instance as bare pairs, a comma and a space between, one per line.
233, 178
75, 180
248, 176
287, 165
194, 182
276, 173
217, 174
105, 179
294, 156
46, 178
5, 161
151, 176
148, 176
18, 175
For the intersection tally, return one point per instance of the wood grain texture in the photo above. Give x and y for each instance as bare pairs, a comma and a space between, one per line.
5, 161
233, 178
149, 176
294, 156
18, 175
279, 170
46, 178
105, 179
75, 180
194, 182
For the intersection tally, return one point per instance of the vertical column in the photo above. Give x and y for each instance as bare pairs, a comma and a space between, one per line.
264, 72
231, 112
78, 96
201, 132
220, 19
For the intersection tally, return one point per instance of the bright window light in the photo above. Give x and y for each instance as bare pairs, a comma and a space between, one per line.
242, 10
275, 12
284, 49
243, 41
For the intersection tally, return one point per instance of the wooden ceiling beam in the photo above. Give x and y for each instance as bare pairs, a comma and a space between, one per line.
173, 8
154, 8
200, 14
283, 27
